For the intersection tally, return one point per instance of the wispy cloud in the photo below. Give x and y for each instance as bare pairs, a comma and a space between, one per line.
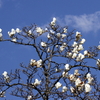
85, 22
0, 3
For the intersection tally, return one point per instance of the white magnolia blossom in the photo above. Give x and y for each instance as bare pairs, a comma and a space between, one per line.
76, 72
0, 30
33, 62
58, 35
43, 44
58, 85
12, 33
29, 97
80, 47
72, 89
18, 30
72, 77
87, 88
69, 54
64, 74
53, 21
80, 57
1, 35
67, 67
14, 39
52, 32
37, 82
78, 36
2, 94
98, 47
39, 63
62, 48
85, 53
74, 55
75, 49
65, 30
63, 36
90, 80
82, 41
6, 77
78, 82
64, 44
39, 30
30, 32
48, 36
64, 89
4, 73
74, 44
88, 76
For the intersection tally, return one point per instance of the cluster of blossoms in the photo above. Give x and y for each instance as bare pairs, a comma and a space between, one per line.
1, 34
36, 63
79, 84
6, 77
12, 34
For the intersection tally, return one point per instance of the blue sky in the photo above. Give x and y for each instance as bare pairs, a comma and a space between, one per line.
82, 15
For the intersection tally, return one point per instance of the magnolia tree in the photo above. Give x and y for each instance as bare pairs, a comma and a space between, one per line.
62, 71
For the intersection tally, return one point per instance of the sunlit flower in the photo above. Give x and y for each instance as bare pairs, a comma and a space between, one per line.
72, 77
52, 32
78, 82
6, 77
43, 44
74, 44
78, 36
1, 36
58, 35
64, 89
75, 49
18, 30
76, 72
39, 63
29, 97
53, 21
37, 82
33, 62
67, 67
72, 89
65, 30
87, 88
4, 73
74, 55
14, 39
63, 35
82, 41
88, 75
62, 48
90, 80
80, 47
58, 85
48, 36
98, 47
12, 33
64, 74
39, 30
69, 54
0, 30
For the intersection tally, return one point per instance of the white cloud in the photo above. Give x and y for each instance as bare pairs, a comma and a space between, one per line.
85, 22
